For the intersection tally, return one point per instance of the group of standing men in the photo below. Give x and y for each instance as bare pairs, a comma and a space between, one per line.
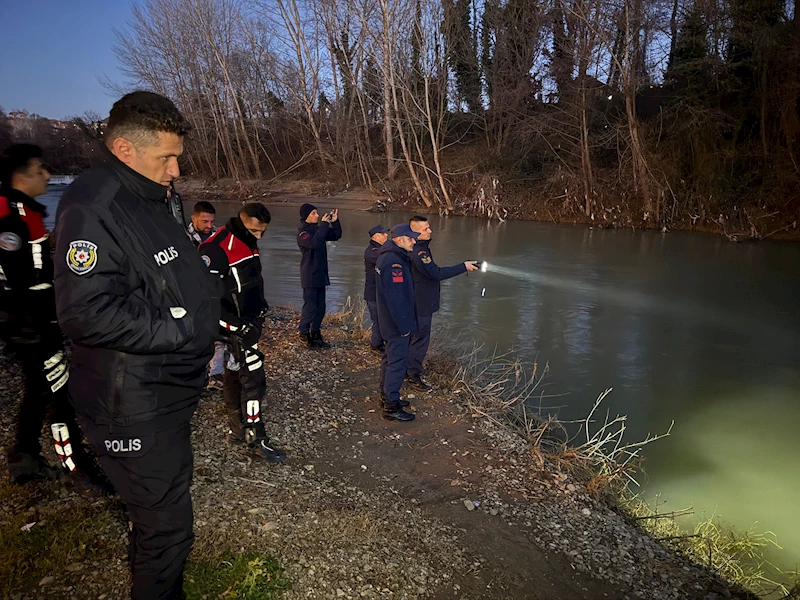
148, 308
402, 289
142, 308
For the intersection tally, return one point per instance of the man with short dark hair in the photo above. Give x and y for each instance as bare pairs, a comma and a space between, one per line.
232, 255
29, 326
201, 226
427, 289
313, 234
397, 316
142, 312
377, 237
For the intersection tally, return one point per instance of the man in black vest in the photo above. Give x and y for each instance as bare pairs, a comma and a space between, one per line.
312, 236
377, 237
142, 312
232, 255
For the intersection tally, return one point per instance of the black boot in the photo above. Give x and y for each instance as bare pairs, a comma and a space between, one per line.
24, 467
320, 343
264, 449
418, 383
308, 338
401, 402
395, 412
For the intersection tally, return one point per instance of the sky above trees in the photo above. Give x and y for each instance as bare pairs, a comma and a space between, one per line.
55, 53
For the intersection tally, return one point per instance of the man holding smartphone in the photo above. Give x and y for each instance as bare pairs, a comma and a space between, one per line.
313, 234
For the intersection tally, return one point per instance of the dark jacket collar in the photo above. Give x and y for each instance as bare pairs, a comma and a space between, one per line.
374, 244
424, 244
17, 196
309, 226
140, 185
237, 228
390, 246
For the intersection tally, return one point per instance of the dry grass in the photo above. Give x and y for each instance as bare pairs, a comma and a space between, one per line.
505, 390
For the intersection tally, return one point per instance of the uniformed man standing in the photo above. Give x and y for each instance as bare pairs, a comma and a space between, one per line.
29, 326
142, 312
397, 316
313, 234
427, 289
377, 237
232, 255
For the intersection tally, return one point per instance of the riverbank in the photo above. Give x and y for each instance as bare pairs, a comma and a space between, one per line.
554, 203
451, 505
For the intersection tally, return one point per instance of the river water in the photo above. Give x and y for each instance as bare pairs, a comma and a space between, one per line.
684, 327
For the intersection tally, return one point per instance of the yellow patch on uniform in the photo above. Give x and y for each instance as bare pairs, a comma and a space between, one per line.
426, 259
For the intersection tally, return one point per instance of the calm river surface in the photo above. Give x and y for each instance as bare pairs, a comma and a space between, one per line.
684, 327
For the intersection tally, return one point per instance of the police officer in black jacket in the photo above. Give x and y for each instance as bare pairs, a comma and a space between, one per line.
142, 312
232, 255
377, 237
397, 316
312, 236
427, 288
29, 326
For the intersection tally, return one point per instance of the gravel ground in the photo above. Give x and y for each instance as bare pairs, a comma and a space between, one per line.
449, 507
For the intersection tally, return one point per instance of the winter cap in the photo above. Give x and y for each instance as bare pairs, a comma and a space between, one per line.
403, 229
378, 229
306, 210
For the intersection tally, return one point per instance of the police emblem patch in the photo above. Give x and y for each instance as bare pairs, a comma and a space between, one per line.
10, 241
206, 260
81, 257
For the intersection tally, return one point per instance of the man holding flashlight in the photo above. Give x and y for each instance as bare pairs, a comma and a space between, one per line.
427, 290
397, 316
313, 234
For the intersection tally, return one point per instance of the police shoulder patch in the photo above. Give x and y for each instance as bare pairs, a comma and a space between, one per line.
397, 266
10, 241
206, 260
303, 234
81, 257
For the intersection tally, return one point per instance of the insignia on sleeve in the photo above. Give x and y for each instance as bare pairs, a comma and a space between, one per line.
10, 241
81, 257
397, 276
303, 234
206, 260
426, 259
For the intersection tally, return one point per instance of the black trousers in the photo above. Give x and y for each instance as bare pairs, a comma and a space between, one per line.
240, 387
418, 347
151, 470
393, 368
313, 309
44, 368
375, 338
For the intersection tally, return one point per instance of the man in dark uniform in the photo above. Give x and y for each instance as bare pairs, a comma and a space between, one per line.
232, 255
142, 312
313, 234
377, 237
397, 316
29, 326
427, 289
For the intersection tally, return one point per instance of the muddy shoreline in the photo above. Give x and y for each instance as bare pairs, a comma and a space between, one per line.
297, 191
448, 506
